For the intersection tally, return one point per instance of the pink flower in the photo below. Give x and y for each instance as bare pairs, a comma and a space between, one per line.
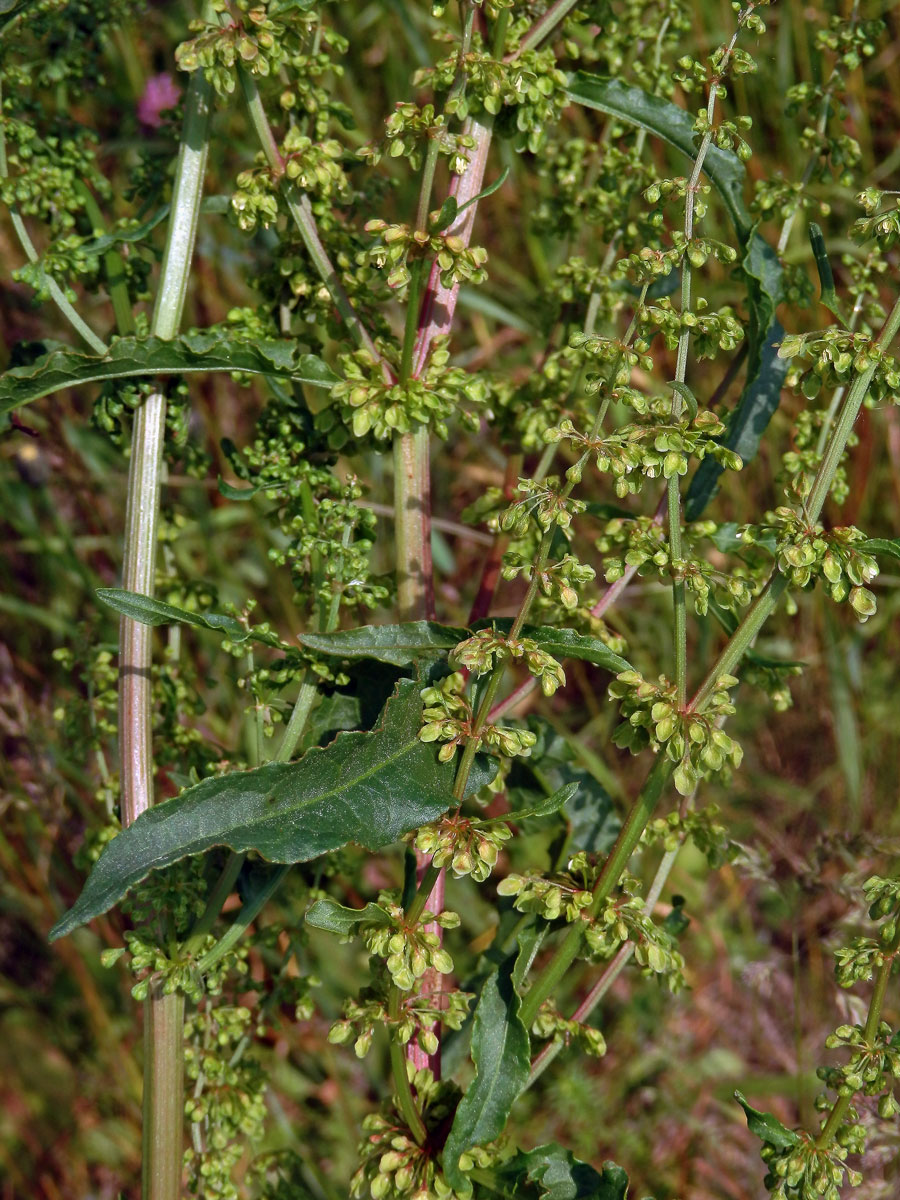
160, 93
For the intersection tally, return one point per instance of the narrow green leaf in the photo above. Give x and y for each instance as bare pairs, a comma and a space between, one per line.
828, 297
766, 1127
566, 643
335, 918
501, 1054
213, 349
545, 808
149, 611
230, 492
397, 645
687, 396
889, 547
487, 191
367, 788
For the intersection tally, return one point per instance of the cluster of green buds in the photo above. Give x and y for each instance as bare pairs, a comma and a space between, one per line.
708, 835
649, 447
864, 955
313, 166
411, 127
675, 191
801, 461
642, 542
553, 899
832, 358
711, 332
558, 580
805, 551
226, 1104
803, 1171
691, 739
531, 88
40, 172
544, 501
447, 715
175, 973
371, 401
394, 1166
249, 37
466, 845
881, 225
418, 1015
872, 1067
488, 648
408, 952
649, 263
400, 245
551, 1025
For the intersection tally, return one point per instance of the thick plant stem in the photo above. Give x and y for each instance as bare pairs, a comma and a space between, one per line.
412, 504
163, 1125
163, 1103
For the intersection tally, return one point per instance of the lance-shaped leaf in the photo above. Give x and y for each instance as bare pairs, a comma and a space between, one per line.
131, 358
566, 643
545, 808
880, 547
501, 1054
398, 645
327, 914
364, 787
766, 1127
149, 611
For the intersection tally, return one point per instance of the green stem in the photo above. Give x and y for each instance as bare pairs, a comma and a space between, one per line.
567, 951
113, 266
873, 1020
405, 1098
163, 1105
299, 716
245, 917
542, 29
412, 506
217, 898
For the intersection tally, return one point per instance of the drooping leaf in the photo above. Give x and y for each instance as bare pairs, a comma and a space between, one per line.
149, 611
446, 215
230, 492
397, 645
766, 1127
687, 396
365, 787
889, 547
130, 358
552, 1172
827, 296
488, 190
327, 914
501, 1054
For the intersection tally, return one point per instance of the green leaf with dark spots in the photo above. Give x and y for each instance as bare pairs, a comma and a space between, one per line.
368, 788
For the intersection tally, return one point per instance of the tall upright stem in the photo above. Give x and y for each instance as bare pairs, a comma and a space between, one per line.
163, 1106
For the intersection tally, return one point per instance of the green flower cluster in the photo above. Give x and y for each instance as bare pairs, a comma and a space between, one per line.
642, 542
408, 953
546, 502
527, 94
711, 332
418, 1015
371, 402
831, 359
314, 167
448, 718
880, 225
708, 835
558, 581
551, 1025
226, 1104
691, 739
805, 552
410, 128
394, 1166
487, 648
801, 461
400, 245
466, 845
806, 1172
